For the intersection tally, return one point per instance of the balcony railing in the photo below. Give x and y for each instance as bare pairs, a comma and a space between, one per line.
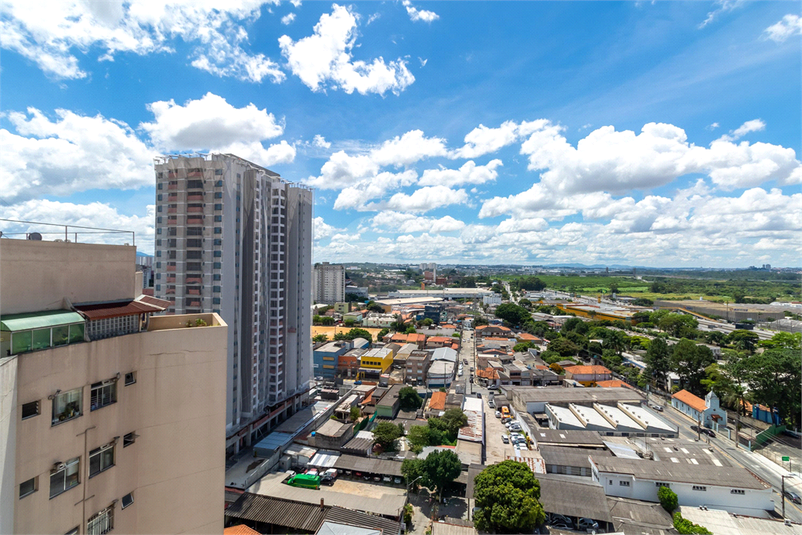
172, 186
195, 197
195, 209
170, 268
194, 221
172, 210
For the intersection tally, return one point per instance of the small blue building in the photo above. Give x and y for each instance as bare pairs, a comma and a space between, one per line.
326, 357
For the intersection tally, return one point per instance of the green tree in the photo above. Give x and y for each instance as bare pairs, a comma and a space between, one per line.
381, 334
374, 307
449, 424
354, 333
419, 437
678, 324
349, 322
774, 379
689, 362
441, 468
685, 526
668, 499
410, 330
783, 340
320, 338
564, 347
521, 347
512, 313
426, 322
413, 469
408, 399
355, 413
507, 499
743, 340
658, 361
575, 324
385, 435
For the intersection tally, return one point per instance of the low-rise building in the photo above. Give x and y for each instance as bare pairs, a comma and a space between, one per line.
730, 488
417, 366
588, 375
707, 411
489, 331
378, 320
436, 404
326, 357
440, 374
376, 361
348, 363
439, 341
387, 407
331, 435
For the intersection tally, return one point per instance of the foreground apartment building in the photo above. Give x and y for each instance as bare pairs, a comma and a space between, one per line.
110, 418
236, 239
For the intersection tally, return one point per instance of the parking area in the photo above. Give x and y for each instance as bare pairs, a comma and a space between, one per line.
495, 448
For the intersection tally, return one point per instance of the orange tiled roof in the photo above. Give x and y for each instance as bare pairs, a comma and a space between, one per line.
416, 337
490, 339
454, 347
438, 401
440, 338
694, 402
448, 326
585, 370
240, 529
527, 336
489, 373
613, 383
537, 366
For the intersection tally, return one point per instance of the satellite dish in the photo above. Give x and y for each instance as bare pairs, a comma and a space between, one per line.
35, 236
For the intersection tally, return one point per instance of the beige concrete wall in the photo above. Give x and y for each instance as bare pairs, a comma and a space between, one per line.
176, 467
38, 275
9, 490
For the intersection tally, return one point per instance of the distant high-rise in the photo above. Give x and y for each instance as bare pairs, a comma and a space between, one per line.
329, 283
236, 239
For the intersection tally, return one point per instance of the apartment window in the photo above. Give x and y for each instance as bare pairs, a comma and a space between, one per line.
29, 410
217, 277
218, 219
27, 488
218, 230
218, 172
130, 378
195, 184
128, 499
159, 208
194, 231
218, 241
216, 289
158, 231
219, 183
218, 194
623, 483
218, 206
67, 405
101, 459
218, 265
737, 491
128, 439
159, 219
699, 487
103, 394
101, 523
158, 286
661, 484
158, 253
159, 186
64, 477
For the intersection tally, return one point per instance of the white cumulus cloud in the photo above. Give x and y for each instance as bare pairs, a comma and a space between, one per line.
408, 149
788, 26
426, 199
755, 125
320, 141
325, 60
483, 140
288, 19
469, 173
48, 33
400, 222
416, 14
68, 154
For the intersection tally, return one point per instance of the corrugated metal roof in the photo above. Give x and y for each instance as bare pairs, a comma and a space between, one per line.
367, 465
39, 320
355, 518
155, 301
116, 310
444, 528
277, 511
634, 516
572, 497
324, 459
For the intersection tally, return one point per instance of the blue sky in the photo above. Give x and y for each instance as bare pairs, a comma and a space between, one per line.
657, 134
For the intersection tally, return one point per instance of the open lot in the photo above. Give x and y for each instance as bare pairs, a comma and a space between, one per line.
368, 490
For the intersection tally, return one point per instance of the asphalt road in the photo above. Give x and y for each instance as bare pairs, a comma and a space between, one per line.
746, 459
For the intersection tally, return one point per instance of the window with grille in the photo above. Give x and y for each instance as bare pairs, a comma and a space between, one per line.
101, 523
29, 410
103, 394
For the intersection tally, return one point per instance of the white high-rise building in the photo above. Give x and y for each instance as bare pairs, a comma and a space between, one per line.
329, 283
236, 239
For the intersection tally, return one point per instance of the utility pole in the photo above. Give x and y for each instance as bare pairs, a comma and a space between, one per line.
783, 494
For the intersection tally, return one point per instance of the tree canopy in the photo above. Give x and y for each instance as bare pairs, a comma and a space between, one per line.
354, 333
385, 435
440, 468
512, 313
507, 497
408, 399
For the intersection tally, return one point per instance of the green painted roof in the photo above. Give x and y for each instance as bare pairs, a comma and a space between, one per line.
39, 320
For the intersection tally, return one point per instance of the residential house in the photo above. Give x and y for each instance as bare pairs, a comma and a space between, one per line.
436, 405
439, 341
588, 375
417, 366
387, 407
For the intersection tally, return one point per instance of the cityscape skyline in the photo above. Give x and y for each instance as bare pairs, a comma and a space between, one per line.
667, 135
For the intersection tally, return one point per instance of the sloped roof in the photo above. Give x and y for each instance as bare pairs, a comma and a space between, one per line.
240, 529
691, 400
438, 401
613, 383
278, 511
586, 370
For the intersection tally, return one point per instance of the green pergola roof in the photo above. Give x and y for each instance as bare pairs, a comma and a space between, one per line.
39, 320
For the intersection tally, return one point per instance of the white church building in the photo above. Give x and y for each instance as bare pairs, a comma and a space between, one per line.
705, 410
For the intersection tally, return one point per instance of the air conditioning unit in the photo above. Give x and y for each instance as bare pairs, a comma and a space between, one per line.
59, 466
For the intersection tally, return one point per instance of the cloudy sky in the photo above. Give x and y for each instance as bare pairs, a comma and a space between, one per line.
657, 134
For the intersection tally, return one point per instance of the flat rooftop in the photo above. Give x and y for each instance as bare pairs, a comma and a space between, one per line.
373, 499
528, 394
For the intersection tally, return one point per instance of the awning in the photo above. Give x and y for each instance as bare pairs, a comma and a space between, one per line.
116, 309
38, 320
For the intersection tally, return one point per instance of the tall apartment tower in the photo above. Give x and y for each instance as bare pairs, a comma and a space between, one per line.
236, 239
111, 418
329, 283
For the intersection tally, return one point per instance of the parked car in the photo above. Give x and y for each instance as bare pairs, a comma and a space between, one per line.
505, 439
498, 414
709, 432
586, 523
492, 387
793, 496
478, 394
387, 479
505, 420
560, 521
472, 369
655, 406
397, 481
377, 479
465, 361
491, 404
